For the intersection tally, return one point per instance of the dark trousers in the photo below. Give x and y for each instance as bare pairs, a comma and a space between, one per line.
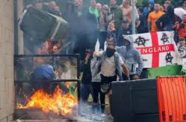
85, 91
97, 95
102, 95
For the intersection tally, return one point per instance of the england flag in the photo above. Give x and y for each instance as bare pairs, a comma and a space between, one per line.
157, 48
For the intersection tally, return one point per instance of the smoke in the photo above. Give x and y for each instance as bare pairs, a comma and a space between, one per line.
82, 35
87, 112
38, 27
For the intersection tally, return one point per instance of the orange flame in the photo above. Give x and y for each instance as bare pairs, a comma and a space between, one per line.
58, 102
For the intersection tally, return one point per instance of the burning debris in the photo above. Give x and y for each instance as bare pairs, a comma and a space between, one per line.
59, 102
58, 106
41, 27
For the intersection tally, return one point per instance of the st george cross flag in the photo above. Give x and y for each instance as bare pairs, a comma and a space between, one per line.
157, 48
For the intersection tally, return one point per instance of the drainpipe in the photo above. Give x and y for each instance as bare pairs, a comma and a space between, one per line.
15, 28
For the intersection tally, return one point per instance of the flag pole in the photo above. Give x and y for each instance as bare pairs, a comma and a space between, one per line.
133, 2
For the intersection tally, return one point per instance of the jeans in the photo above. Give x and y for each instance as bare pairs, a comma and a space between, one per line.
98, 97
85, 90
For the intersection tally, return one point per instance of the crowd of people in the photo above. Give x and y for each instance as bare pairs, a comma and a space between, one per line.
107, 24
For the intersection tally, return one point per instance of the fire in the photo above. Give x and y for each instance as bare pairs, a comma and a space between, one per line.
59, 102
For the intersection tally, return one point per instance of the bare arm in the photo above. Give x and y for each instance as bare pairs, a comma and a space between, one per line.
125, 69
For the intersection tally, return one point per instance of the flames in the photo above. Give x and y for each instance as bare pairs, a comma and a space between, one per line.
59, 102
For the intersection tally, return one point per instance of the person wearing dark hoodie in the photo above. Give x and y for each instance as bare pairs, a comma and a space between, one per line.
85, 89
168, 20
133, 58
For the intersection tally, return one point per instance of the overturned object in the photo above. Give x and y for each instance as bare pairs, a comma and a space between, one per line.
42, 26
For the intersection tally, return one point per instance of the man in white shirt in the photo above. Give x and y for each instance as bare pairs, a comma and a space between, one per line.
110, 66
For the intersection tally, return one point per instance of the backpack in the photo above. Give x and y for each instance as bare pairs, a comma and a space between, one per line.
95, 66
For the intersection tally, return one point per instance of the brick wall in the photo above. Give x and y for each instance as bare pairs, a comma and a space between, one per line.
6, 60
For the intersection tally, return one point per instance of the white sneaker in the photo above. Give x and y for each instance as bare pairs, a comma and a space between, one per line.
103, 115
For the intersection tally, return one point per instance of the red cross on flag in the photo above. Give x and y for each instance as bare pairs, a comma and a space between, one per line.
157, 48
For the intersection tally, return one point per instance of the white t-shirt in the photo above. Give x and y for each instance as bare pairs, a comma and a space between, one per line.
108, 66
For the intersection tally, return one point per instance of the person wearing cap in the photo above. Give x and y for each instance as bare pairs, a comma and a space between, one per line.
132, 57
110, 66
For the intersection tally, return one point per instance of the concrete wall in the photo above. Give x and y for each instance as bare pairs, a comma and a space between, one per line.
6, 60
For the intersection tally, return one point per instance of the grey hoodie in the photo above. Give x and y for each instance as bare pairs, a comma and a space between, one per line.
131, 56
96, 66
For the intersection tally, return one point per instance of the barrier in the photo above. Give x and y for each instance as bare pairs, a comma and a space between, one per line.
170, 70
171, 99
135, 101
150, 100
